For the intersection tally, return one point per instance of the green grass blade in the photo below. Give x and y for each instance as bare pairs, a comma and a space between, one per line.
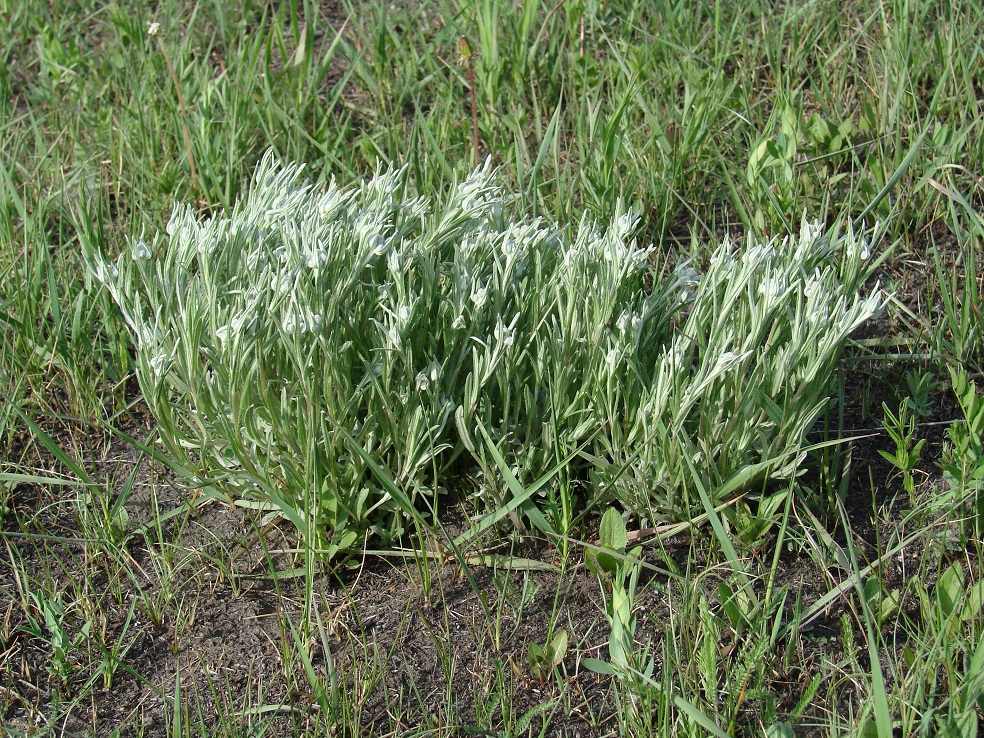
894, 179
521, 496
699, 717
56, 450
549, 139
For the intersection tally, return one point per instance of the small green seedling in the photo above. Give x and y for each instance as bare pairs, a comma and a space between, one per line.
920, 386
901, 429
613, 538
620, 572
544, 659
54, 632
884, 603
963, 465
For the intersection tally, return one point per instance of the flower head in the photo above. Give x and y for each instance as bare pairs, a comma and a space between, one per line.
140, 251
479, 297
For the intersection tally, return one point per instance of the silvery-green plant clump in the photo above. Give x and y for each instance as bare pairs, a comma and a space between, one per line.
282, 345
746, 374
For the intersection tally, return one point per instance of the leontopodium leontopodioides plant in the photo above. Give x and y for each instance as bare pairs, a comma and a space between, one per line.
746, 374
283, 344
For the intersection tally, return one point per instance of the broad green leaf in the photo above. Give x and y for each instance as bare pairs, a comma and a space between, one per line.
949, 589
612, 531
